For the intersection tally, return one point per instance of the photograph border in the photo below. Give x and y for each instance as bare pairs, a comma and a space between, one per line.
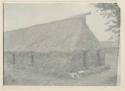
120, 87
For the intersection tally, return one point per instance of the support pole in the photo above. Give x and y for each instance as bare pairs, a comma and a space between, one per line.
98, 57
14, 61
85, 58
32, 60
101, 57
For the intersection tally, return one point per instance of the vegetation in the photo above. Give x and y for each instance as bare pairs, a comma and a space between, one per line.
111, 11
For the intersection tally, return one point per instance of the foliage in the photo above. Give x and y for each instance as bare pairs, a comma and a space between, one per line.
111, 11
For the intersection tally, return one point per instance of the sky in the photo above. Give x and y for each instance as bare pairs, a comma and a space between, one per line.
18, 16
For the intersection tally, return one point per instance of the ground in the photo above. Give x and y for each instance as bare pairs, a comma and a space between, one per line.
22, 76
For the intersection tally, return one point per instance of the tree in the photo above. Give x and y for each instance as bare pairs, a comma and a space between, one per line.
111, 11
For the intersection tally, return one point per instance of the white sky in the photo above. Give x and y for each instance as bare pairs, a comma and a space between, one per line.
23, 15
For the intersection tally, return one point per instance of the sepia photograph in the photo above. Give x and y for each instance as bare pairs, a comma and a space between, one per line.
61, 44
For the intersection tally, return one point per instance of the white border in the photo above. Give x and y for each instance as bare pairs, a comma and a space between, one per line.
62, 88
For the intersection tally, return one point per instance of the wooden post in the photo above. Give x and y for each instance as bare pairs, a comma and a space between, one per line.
102, 57
98, 57
14, 61
32, 60
85, 58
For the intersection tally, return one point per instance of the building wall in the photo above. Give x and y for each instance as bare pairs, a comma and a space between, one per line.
56, 61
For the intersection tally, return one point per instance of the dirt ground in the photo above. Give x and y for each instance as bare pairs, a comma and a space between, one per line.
108, 77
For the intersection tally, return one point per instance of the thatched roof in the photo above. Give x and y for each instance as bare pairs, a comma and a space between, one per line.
63, 35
